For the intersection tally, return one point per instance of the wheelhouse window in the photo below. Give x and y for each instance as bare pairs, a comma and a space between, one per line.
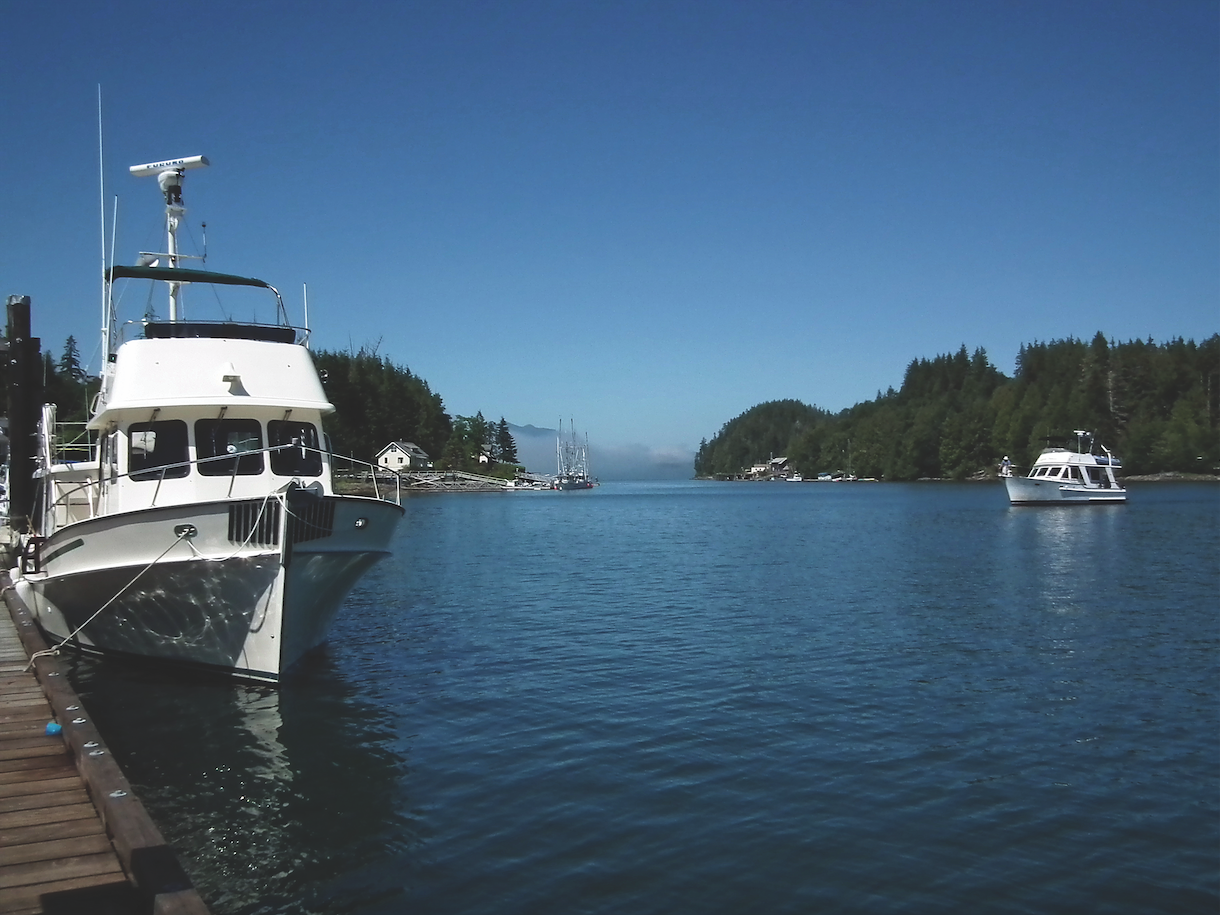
296, 451
229, 446
158, 450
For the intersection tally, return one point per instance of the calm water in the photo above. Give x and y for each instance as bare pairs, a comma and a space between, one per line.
722, 698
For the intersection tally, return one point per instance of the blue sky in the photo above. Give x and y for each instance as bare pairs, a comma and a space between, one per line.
647, 216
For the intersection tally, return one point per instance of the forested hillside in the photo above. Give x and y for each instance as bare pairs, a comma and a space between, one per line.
378, 402
1155, 405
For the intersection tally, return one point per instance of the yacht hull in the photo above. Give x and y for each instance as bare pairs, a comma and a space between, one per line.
239, 587
1026, 491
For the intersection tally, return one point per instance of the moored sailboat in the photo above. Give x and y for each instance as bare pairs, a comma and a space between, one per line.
572, 462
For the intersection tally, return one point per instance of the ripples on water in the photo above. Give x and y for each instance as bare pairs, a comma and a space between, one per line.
722, 698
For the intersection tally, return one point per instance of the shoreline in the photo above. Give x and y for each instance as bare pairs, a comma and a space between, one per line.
1165, 476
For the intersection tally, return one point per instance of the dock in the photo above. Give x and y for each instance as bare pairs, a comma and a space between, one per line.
424, 481
74, 838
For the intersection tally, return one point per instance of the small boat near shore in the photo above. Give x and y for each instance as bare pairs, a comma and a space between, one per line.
1063, 477
202, 527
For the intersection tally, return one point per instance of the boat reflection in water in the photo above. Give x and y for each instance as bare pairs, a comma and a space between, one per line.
267, 796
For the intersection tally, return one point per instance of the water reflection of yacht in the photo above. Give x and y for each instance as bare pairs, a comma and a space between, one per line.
259, 790
1063, 477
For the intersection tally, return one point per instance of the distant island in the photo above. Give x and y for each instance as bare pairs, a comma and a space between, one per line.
956, 416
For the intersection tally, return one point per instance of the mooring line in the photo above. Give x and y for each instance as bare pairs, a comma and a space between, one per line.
54, 650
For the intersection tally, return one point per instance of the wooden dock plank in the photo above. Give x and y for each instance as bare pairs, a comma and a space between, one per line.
21, 710
43, 831
73, 836
21, 730
19, 770
59, 869
17, 819
40, 761
38, 786
55, 849
77, 795
28, 748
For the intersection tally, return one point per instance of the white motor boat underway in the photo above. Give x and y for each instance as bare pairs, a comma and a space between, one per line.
1060, 477
204, 528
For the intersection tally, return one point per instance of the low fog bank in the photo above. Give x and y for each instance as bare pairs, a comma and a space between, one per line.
536, 450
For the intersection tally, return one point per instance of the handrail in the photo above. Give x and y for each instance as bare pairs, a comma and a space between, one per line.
80, 441
186, 275
302, 334
161, 471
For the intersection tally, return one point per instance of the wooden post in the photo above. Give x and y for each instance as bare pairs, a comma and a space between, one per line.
24, 392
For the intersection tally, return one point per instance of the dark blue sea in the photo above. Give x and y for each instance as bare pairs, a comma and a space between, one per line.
721, 698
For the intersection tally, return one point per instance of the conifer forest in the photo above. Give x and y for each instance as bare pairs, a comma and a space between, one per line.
956, 416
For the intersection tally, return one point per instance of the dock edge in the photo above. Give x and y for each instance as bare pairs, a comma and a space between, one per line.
151, 865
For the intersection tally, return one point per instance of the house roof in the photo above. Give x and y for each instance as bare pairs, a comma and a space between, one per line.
407, 447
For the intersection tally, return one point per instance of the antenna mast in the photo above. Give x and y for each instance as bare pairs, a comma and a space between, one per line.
169, 179
101, 201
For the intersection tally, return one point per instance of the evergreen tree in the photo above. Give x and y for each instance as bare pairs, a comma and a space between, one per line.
378, 402
506, 445
480, 437
458, 449
69, 363
66, 384
762, 432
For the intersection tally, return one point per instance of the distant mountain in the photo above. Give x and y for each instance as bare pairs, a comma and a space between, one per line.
536, 450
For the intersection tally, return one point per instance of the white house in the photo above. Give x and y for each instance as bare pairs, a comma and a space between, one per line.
775, 467
403, 456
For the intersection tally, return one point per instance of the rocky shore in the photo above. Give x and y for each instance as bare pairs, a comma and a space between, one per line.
1172, 475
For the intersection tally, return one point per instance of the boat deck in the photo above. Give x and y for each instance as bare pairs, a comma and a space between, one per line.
73, 836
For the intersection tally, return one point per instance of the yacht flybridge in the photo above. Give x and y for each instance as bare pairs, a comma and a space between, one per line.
204, 528
1060, 476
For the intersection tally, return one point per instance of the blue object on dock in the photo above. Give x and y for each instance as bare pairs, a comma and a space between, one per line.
53, 728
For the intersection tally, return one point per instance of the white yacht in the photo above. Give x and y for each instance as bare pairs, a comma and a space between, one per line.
203, 529
1060, 476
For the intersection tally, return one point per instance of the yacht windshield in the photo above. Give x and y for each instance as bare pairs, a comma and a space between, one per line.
303, 458
229, 446
157, 450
